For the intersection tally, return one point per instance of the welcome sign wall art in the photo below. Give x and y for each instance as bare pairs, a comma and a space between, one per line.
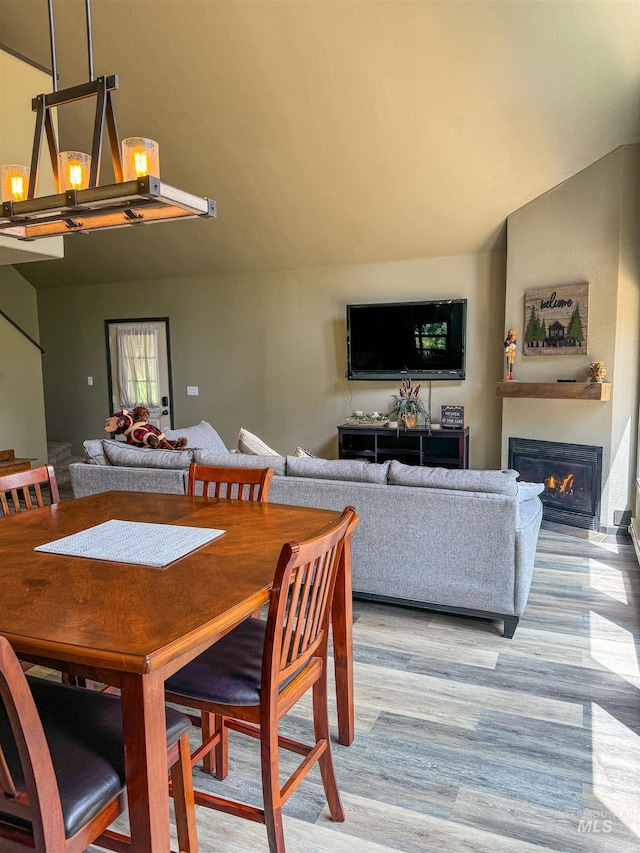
556, 320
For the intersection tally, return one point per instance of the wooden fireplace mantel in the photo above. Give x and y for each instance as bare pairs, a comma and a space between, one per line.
555, 390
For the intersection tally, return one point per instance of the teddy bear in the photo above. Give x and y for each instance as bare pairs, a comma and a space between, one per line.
137, 431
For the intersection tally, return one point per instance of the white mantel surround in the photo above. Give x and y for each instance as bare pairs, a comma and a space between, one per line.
585, 230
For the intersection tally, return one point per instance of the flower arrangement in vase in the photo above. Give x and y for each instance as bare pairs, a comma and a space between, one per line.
409, 406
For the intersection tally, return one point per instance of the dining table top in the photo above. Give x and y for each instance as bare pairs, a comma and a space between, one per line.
127, 617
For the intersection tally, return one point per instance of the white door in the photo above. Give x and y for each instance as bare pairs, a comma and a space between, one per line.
139, 368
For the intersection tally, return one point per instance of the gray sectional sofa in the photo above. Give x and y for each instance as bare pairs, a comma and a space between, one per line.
461, 541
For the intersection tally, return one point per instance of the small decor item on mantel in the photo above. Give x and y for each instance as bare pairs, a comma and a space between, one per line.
597, 371
510, 352
409, 406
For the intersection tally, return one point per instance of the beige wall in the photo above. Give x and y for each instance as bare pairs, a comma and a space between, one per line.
268, 351
19, 83
585, 230
22, 418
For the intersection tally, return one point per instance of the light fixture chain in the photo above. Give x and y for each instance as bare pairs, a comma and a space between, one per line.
52, 43
89, 39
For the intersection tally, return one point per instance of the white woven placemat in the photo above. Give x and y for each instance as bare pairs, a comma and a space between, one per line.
140, 542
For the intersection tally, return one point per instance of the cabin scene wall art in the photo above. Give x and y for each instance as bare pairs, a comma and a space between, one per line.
556, 320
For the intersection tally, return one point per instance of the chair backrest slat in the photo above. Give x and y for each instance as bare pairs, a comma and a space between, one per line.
233, 483
299, 610
22, 491
6, 781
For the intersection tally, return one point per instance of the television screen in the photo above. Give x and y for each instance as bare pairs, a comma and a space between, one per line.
399, 340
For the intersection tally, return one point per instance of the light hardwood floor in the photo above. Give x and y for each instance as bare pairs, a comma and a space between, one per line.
470, 743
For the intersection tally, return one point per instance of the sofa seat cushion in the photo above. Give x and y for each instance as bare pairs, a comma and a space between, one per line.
239, 460
200, 435
463, 480
352, 470
121, 454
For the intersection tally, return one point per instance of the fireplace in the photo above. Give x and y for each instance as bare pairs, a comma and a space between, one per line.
572, 477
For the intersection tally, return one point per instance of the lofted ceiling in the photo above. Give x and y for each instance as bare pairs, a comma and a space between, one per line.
339, 131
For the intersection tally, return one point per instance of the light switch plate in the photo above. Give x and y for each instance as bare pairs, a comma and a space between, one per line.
192, 390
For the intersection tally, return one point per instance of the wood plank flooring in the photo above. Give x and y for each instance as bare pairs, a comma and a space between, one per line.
467, 742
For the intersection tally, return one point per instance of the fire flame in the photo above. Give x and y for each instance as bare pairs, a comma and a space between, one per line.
564, 487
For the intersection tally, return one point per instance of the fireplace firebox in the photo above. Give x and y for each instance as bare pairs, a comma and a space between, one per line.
572, 477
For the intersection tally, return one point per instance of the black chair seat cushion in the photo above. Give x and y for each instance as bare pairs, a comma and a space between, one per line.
84, 732
229, 672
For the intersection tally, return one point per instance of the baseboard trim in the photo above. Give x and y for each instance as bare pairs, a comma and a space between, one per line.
634, 530
604, 531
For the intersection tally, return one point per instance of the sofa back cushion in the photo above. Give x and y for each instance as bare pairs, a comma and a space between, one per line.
200, 435
239, 460
463, 480
354, 470
119, 453
94, 452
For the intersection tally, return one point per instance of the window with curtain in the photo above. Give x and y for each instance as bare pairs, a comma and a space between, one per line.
138, 366
430, 336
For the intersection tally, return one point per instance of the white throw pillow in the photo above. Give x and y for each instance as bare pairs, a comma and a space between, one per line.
250, 443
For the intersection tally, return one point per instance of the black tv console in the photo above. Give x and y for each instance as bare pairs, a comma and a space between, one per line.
443, 448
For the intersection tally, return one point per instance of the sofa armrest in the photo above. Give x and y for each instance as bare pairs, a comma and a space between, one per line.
529, 520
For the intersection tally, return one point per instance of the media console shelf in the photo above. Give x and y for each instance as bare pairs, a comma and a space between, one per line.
443, 448
555, 390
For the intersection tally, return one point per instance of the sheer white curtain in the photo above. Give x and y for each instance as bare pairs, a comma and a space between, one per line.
138, 366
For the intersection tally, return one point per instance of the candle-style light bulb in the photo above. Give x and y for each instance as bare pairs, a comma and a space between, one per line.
75, 176
141, 163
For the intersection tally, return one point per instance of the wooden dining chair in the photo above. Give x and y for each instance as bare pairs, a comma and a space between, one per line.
62, 766
240, 484
257, 672
235, 483
23, 490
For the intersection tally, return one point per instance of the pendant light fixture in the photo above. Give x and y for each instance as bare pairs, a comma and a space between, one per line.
80, 204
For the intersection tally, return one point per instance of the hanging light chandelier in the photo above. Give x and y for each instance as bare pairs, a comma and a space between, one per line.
80, 204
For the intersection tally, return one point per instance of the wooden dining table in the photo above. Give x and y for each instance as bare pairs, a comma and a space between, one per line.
133, 626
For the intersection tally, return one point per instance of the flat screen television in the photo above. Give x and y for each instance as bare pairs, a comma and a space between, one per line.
400, 340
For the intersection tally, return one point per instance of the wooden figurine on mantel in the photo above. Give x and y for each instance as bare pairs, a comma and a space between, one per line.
597, 371
510, 352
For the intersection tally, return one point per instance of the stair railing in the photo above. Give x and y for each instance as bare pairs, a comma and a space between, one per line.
21, 330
